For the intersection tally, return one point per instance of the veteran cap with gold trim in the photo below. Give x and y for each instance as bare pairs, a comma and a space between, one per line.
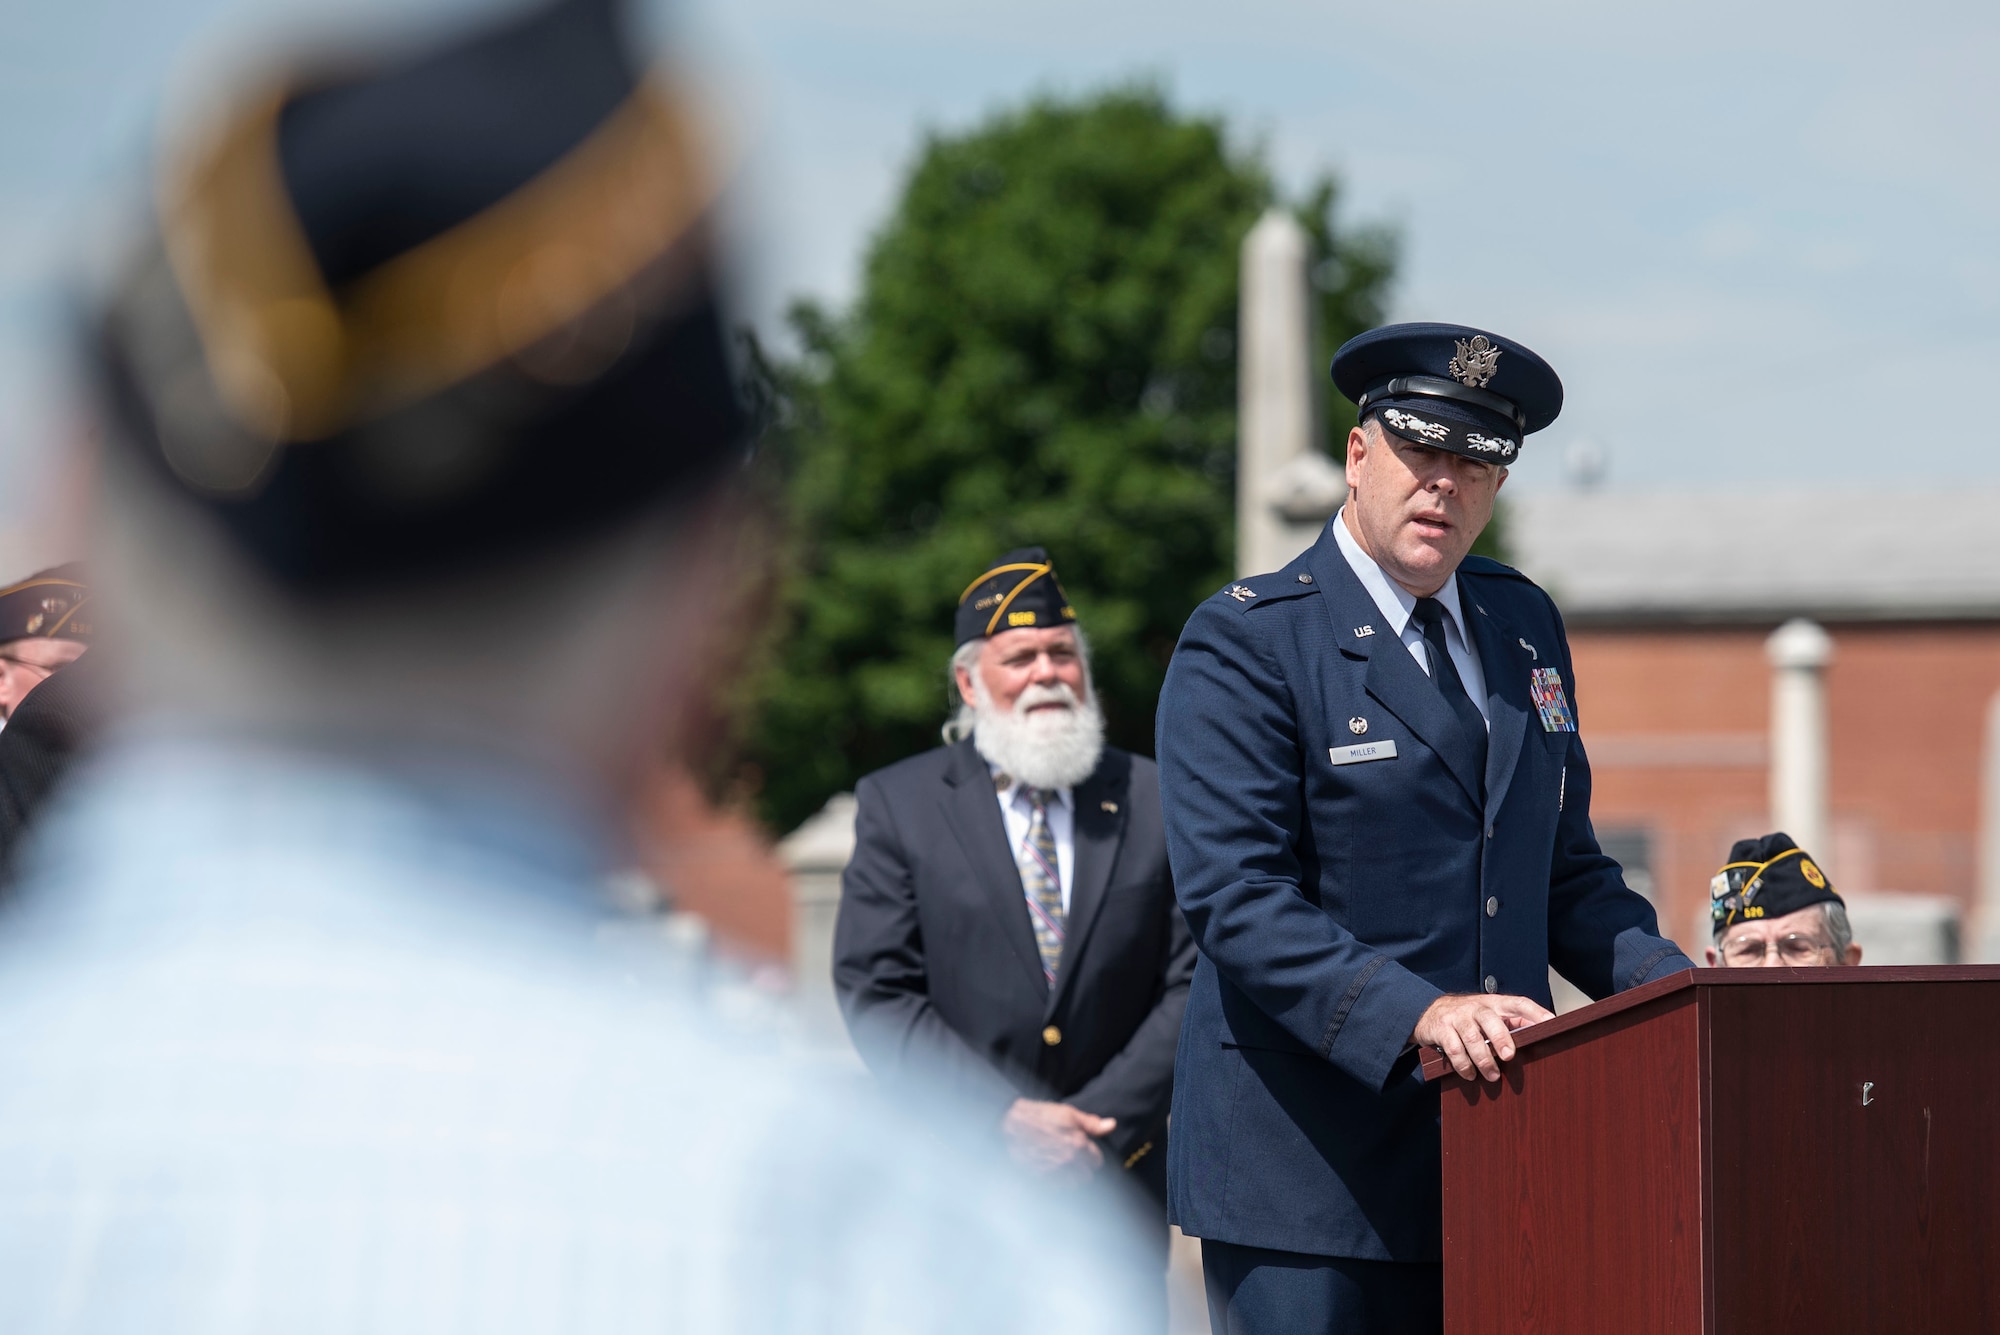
1018, 591
50, 604
1767, 878
432, 307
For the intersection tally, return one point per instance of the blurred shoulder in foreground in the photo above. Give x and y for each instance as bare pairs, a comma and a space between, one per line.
285, 1038
414, 522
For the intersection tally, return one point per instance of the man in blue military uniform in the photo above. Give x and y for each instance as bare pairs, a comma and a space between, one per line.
1378, 814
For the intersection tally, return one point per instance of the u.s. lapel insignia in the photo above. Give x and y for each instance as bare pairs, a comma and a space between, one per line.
1476, 362
1546, 686
1363, 632
1108, 808
1241, 594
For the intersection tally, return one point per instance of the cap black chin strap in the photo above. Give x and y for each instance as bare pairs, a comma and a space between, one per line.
1429, 386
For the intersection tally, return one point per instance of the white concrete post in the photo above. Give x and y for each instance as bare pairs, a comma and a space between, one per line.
1985, 942
1799, 651
816, 854
1285, 485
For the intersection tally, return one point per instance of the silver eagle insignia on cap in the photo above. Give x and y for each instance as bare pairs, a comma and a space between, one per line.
1476, 362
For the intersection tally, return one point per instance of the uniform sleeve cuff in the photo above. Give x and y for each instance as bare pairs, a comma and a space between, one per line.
1375, 1032
1666, 960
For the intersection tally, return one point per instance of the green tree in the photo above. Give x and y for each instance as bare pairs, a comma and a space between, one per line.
1043, 351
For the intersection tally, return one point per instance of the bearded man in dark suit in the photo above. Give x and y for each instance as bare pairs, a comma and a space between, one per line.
1007, 924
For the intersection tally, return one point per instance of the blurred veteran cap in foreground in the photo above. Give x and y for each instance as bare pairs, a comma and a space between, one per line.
1450, 386
430, 309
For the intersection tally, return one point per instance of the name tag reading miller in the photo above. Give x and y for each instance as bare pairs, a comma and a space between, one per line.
1354, 755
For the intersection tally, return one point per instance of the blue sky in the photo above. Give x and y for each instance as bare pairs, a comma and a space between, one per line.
1760, 242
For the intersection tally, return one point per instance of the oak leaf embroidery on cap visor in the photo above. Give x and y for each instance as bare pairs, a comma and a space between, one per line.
1403, 421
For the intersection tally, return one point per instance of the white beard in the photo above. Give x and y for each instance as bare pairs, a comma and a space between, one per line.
1052, 748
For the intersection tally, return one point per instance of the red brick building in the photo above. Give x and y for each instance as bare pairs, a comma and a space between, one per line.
1669, 601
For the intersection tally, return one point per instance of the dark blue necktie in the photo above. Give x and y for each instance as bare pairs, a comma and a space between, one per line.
1444, 676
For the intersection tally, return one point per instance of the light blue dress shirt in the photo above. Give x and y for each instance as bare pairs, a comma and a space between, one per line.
1398, 606
292, 1042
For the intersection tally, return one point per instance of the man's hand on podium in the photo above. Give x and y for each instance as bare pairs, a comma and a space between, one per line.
1473, 1028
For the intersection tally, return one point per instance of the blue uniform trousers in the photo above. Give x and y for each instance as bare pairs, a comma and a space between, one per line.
1258, 1291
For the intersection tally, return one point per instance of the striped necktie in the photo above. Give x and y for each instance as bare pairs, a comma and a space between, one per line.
1042, 881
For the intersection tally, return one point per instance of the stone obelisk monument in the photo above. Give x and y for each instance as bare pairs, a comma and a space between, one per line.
1286, 487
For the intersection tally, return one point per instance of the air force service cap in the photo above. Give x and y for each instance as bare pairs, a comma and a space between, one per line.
429, 307
1018, 591
1450, 386
1767, 878
48, 605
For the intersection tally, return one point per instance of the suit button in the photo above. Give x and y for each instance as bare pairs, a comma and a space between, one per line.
1492, 905
1492, 983
1053, 1035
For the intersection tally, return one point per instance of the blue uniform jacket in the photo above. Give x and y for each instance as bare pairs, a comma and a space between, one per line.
1332, 903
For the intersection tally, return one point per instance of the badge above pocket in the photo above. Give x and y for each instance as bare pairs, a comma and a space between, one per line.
1546, 685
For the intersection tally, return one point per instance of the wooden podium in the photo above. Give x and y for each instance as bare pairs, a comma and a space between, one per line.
1735, 1152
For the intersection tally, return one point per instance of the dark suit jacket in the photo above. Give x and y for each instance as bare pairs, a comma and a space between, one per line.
50, 725
1343, 862
935, 961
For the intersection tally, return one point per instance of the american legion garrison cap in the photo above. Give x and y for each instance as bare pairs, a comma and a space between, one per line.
1449, 386
1017, 591
432, 308
1767, 878
48, 605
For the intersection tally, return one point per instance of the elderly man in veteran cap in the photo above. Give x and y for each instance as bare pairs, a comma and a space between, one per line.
1774, 907
418, 431
46, 624
1378, 808
1007, 919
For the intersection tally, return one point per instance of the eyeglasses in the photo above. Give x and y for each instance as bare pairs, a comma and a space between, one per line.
1793, 949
